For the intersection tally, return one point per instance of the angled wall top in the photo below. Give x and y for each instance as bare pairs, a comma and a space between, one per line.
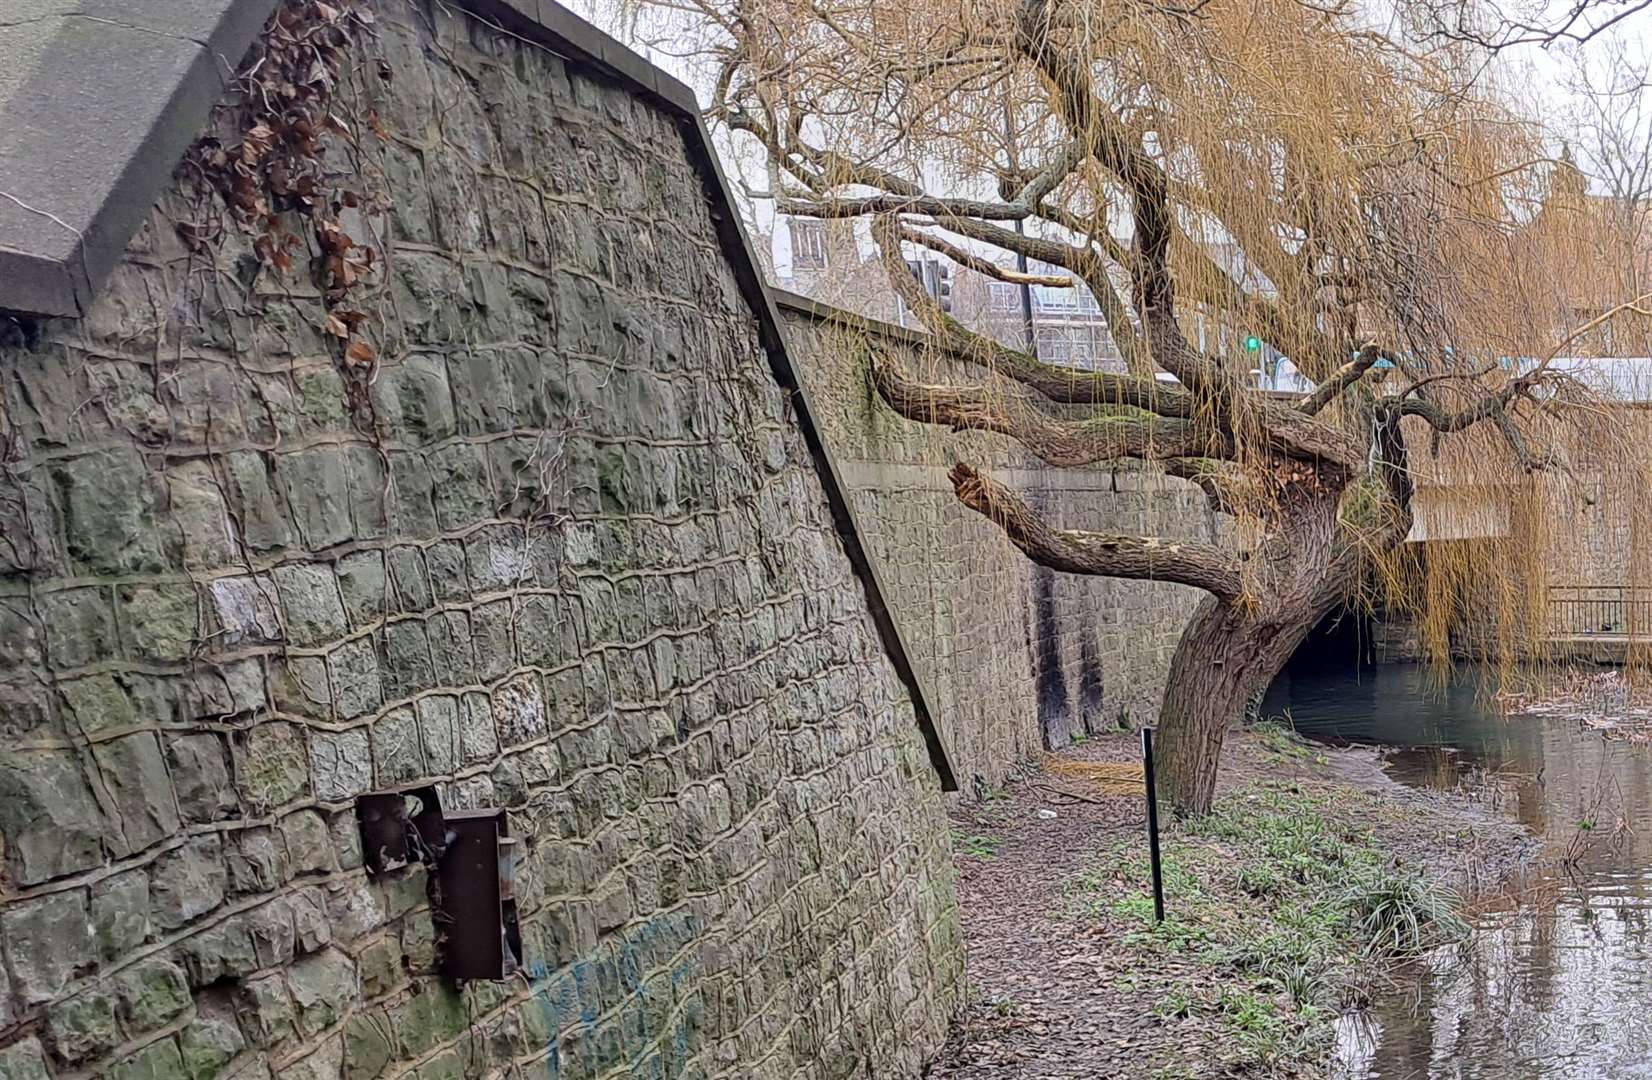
98, 100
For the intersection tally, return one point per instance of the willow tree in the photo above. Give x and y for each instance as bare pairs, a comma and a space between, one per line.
1211, 173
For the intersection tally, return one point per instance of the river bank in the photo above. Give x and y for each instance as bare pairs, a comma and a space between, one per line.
1274, 902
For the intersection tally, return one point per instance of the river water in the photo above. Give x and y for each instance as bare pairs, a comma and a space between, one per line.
1556, 981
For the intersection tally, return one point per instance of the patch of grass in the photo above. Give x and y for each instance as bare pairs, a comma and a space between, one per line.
1279, 738
1400, 915
1280, 901
976, 845
1173, 1005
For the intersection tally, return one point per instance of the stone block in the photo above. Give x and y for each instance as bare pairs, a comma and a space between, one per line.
313, 612
346, 833
159, 622
342, 764
482, 395
109, 503
522, 466
490, 628
51, 822
322, 986
380, 966
407, 574
80, 627
448, 578
48, 942
413, 399
357, 687
452, 653
272, 764
311, 928
301, 686
98, 702
318, 496
309, 844
257, 510
200, 774
462, 493
439, 733
271, 928
404, 659
256, 861
519, 711
21, 635
120, 913
397, 756
497, 559
366, 479
208, 1044
202, 517
137, 790
157, 1061
362, 580
83, 1026
245, 610
368, 1045
264, 1010
446, 1065
478, 735
221, 690
188, 881
151, 992
24, 1060
223, 951
412, 507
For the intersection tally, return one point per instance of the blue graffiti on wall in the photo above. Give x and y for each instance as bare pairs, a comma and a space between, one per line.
615, 980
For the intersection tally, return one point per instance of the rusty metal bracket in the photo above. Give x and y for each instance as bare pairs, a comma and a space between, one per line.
473, 894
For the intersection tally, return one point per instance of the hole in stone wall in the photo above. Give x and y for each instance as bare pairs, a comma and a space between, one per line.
400, 827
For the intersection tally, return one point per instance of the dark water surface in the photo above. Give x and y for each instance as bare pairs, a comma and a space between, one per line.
1557, 978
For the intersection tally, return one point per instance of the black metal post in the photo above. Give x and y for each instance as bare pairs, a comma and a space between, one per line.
1152, 824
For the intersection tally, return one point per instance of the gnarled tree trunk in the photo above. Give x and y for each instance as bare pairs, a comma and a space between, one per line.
1230, 651
1224, 659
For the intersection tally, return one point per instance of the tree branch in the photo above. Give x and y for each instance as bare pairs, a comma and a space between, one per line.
1144, 558
1062, 385
985, 267
1062, 443
1341, 379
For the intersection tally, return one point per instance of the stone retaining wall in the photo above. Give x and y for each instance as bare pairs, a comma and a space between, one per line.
1015, 658
577, 562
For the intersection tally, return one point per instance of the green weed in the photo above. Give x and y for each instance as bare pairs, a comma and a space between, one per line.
977, 845
1280, 739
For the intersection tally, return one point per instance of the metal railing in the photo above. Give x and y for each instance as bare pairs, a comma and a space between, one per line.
1600, 609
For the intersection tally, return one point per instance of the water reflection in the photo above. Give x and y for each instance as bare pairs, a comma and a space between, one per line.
1555, 981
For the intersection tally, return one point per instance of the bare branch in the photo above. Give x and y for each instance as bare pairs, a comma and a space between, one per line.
1059, 442
1148, 558
985, 267
1062, 385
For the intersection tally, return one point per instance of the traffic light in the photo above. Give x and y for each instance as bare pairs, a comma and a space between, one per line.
936, 279
1253, 343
